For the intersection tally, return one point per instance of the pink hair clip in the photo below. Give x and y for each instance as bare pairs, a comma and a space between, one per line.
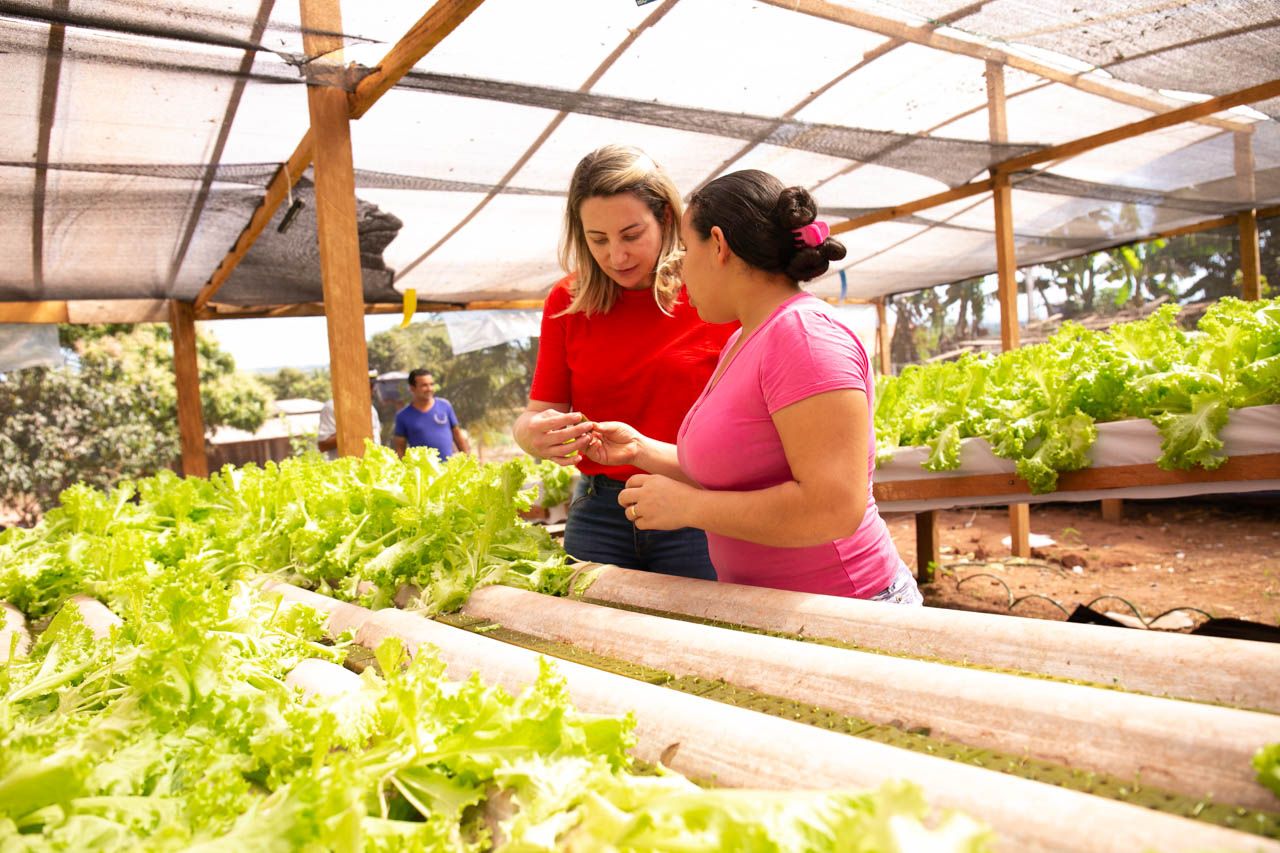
812, 234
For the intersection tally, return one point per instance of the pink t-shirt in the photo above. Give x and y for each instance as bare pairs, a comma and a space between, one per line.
728, 442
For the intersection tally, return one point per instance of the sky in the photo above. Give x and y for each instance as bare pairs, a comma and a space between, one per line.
269, 344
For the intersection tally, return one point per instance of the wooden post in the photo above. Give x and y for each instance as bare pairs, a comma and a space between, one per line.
1246, 167
186, 372
1019, 514
928, 545
883, 341
1113, 510
1007, 292
1247, 221
336, 225
1250, 256
1251, 260
1006, 265
997, 118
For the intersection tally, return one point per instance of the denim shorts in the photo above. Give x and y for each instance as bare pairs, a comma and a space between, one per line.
599, 531
902, 589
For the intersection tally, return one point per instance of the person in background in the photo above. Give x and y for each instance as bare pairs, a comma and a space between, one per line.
327, 431
775, 458
428, 420
619, 341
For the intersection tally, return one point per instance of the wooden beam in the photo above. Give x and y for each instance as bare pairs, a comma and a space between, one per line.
44, 134
89, 311
1248, 468
336, 228
1195, 228
218, 311
907, 208
1250, 256
186, 372
277, 191
438, 22
997, 117
1076, 147
431, 29
1246, 168
930, 37
1006, 265
1247, 220
883, 342
54, 311
1006, 269
504, 304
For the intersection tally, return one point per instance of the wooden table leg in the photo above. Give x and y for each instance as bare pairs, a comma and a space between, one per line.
1020, 530
928, 545
1113, 510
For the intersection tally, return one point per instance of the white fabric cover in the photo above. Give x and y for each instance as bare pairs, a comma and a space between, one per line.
1134, 442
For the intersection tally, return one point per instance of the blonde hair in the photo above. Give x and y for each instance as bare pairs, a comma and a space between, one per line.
609, 171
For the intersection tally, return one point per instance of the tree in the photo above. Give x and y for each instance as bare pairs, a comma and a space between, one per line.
922, 328
289, 383
111, 416
1218, 260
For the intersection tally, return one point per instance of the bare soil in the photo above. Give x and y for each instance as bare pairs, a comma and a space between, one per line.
1221, 557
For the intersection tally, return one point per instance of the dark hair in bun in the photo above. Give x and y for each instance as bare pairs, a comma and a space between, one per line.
758, 216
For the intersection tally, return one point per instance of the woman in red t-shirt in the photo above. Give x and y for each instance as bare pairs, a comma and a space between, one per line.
620, 342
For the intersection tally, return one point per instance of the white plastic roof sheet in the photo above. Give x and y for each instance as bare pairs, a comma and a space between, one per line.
137, 138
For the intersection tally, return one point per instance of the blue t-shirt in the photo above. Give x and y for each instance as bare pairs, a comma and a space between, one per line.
432, 428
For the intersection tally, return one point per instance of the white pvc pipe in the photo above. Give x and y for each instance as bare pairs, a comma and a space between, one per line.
13, 624
339, 615
734, 747
1194, 749
96, 616
1212, 669
320, 678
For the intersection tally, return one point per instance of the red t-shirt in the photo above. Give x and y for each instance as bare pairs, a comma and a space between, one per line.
633, 364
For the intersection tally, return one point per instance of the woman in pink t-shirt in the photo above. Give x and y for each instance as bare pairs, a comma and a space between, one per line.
775, 459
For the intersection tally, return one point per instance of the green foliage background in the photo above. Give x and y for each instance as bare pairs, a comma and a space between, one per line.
289, 383
1184, 269
112, 417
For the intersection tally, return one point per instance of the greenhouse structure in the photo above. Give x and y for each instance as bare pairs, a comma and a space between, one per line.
246, 656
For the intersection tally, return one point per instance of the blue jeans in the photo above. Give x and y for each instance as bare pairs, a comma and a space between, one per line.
599, 531
902, 589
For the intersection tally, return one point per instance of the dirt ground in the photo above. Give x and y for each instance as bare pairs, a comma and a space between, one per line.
1221, 556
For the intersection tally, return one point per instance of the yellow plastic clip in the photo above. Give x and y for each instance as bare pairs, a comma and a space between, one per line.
410, 306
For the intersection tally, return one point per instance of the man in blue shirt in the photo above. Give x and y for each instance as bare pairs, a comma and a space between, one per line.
428, 420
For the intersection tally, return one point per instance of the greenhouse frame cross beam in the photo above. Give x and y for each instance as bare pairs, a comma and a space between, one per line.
432, 28
929, 37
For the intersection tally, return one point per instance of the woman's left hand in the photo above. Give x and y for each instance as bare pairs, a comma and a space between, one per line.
654, 502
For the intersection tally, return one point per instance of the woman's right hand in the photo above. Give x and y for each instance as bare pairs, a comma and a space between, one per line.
614, 443
558, 436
